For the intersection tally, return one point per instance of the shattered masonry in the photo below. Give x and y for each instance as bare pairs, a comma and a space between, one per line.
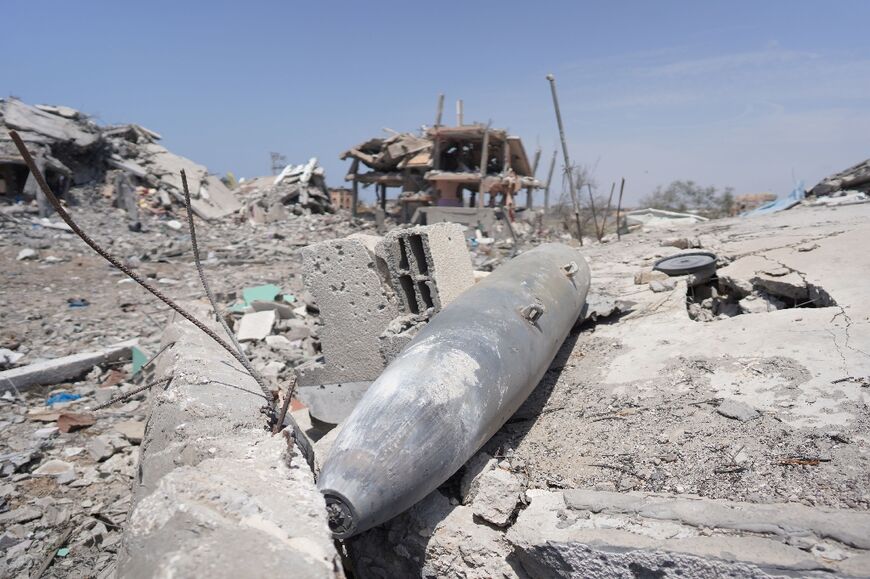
361, 284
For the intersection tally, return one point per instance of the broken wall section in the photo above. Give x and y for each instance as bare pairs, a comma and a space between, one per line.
217, 495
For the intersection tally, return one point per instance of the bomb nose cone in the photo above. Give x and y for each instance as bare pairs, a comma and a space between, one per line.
342, 522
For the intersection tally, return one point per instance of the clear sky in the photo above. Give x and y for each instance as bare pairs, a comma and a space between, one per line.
745, 94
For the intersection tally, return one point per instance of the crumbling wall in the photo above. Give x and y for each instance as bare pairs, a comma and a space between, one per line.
217, 495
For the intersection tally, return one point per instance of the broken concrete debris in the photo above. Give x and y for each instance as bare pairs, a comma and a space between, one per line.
62, 369
692, 439
297, 189
361, 284
212, 479
855, 178
73, 150
256, 325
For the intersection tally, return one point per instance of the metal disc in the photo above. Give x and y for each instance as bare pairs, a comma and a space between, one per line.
686, 263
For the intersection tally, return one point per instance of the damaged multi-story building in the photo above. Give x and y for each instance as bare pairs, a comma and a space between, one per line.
465, 166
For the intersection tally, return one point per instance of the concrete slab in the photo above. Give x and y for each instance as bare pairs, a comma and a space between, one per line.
62, 369
256, 325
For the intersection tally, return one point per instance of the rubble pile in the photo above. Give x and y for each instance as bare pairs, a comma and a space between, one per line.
298, 189
855, 178
74, 150
65, 471
59, 299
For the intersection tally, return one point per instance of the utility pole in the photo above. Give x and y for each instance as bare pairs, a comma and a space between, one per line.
279, 161
547, 186
534, 172
440, 110
619, 209
568, 166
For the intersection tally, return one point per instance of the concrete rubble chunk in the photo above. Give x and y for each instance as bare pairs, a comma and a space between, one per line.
213, 485
759, 303
788, 284
256, 325
659, 286
101, 448
435, 539
55, 468
355, 309
62, 369
429, 266
479, 464
132, 430
498, 496
730, 408
27, 253
598, 533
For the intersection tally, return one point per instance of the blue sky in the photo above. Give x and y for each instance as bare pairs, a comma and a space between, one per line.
743, 94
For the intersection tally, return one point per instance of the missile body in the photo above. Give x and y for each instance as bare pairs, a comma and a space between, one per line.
452, 387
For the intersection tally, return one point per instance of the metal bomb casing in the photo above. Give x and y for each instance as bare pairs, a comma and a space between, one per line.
452, 387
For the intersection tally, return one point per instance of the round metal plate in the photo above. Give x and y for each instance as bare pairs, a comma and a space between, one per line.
686, 263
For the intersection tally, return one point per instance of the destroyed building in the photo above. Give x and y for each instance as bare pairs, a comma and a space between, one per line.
462, 166
855, 178
73, 150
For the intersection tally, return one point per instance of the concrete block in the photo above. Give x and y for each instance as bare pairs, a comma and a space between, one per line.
429, 266
355, 309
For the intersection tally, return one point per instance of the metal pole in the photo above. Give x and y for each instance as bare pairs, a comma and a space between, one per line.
607, 212
452, 388
484, 159
459, 113
552, 80
549, 180
440, 110
618, 209
594, 216
355, 170
534, 171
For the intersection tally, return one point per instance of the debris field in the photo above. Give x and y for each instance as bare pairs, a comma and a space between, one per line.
444, 384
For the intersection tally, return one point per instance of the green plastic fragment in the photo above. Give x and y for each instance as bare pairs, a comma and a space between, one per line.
238, 307
63, 552
139, 359
260, 293
289, 298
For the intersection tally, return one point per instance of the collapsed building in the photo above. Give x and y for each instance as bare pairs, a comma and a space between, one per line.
855, 178
456, 167
71, 149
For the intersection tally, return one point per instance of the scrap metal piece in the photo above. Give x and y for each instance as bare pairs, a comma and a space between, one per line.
452, 387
